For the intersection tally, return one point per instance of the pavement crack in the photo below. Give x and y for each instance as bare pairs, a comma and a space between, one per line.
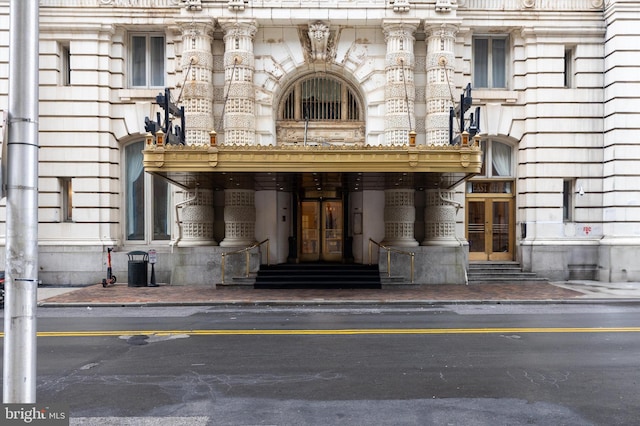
553, 378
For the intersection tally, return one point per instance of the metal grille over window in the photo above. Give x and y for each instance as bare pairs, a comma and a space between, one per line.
321, 99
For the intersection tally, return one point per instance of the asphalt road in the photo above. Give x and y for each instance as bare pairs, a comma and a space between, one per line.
360, 365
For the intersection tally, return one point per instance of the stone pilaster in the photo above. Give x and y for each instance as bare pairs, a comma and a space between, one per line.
197, 68
239, 64
440, 85
440, 218
239, 217
399, 217
400, 89
196, 219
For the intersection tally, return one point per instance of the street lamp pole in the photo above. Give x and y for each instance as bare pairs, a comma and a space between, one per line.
21, 284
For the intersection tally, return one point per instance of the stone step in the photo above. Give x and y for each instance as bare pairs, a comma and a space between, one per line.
500, 272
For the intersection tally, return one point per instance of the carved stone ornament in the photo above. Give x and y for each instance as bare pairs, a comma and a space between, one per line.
528, 3
319, 38
237, 5
401, 5
445, 6
193, 5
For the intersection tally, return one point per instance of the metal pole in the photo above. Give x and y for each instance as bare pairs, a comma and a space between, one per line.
222, 270
19, 362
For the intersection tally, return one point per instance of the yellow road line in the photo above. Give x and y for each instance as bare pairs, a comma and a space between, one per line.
339, 332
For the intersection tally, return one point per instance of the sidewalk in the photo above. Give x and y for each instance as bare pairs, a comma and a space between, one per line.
167, 295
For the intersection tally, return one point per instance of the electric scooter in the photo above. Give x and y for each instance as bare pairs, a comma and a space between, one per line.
111, 279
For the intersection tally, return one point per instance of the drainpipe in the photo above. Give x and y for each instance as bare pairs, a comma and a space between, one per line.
457, 206
177, 207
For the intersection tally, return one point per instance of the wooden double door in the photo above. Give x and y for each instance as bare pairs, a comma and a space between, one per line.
490, 227
321, 230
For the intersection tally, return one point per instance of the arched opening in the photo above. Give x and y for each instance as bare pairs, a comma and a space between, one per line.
320, 110
490, 204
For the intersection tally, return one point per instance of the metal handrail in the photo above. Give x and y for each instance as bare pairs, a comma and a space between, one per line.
246, 250
412, 255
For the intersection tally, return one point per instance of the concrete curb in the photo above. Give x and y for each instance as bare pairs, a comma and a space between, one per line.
302, 303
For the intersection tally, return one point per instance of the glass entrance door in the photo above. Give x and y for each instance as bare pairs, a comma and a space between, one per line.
321, 226
490, 229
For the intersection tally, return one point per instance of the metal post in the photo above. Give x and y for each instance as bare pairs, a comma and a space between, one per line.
247, 260
268, 261
413, 255
19, 362
222, 270
388, 263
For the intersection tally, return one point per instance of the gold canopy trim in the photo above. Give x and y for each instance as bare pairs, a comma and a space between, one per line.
301, 158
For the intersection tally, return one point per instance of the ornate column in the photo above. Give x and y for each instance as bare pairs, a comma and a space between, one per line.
400, 90
399, 217
197, 218
440, 84
239, 217
197, 69
239, 63
440, 218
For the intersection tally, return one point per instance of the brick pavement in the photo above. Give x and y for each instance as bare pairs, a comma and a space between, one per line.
121, 294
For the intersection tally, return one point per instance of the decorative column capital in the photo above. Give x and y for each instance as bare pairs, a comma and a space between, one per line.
399, 27
443, 29
238, 27
194, 28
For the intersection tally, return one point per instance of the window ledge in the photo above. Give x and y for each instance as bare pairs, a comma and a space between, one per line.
510, 96
139, 94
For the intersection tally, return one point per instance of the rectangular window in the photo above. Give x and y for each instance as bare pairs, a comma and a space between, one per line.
567, 200
147, 58
490, 62
64, 68
66, 192
568, 66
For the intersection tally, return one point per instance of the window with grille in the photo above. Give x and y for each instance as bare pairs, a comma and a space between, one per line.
320, 99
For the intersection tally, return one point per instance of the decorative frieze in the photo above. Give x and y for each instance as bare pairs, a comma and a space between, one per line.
398, 6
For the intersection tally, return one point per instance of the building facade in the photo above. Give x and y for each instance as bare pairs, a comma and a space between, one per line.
323, 127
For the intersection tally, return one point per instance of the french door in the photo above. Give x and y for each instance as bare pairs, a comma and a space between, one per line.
490, 228
321, 229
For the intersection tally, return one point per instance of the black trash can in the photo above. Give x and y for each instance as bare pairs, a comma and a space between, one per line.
137, 272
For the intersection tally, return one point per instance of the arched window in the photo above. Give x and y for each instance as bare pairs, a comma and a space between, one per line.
147, 197
498, 171
497, 161
320, 99
320, 109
